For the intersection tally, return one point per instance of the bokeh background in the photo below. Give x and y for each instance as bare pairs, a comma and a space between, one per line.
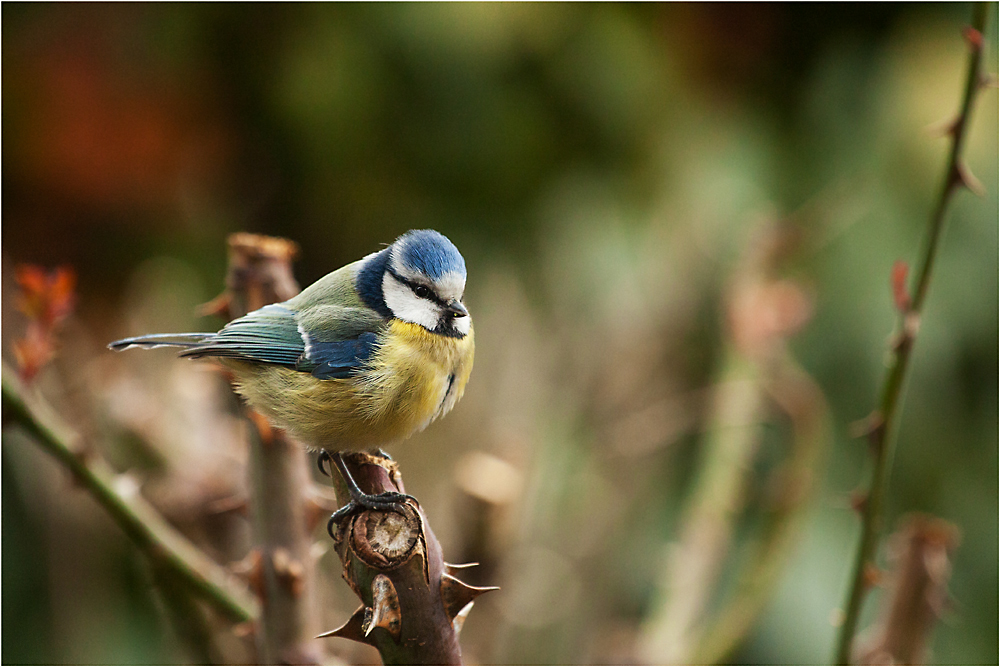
618, 178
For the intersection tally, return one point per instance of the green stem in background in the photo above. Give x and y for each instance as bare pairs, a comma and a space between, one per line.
675, 627
167, 549
802, 401
885, 424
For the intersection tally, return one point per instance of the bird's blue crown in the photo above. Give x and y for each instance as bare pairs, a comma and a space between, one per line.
430, 253
422, 251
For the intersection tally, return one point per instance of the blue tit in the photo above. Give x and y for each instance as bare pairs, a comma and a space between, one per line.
364, 357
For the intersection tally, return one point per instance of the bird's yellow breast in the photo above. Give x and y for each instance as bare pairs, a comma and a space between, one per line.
413, 377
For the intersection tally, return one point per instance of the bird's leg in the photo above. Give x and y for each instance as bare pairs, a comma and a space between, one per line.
360, 501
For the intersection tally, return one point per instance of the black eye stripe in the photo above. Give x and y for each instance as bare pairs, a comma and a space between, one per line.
431, 295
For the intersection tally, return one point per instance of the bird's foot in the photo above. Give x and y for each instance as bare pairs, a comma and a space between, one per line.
389, 501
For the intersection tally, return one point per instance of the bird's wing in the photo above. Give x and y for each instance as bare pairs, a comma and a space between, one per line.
328, 341
339, 340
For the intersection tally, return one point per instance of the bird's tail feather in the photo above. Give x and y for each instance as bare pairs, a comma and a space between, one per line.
161, 340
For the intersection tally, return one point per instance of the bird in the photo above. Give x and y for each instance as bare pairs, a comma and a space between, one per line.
363, 358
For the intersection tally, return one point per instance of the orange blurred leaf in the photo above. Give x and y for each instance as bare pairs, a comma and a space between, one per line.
46, 298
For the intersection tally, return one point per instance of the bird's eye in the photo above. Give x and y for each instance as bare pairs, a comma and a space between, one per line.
422, 291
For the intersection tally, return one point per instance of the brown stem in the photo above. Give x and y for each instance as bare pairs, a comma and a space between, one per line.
412, 605
259, 274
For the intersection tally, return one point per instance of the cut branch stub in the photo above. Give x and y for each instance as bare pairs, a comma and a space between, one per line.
412, 608
920, 553
386, 540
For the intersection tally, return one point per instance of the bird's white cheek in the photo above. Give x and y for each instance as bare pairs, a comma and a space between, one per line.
405, 305
462, 324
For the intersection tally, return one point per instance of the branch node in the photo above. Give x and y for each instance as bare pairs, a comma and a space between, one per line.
973, 38
289, 570
911, 326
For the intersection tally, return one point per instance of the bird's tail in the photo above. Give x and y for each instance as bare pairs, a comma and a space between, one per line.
160, 340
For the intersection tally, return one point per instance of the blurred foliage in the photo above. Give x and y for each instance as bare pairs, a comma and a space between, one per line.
602, 168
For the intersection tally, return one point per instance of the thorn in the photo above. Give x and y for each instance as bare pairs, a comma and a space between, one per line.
459, 620
871, 428
457, 594
288, 570
217, 306
228, 504
450, 568
352, 629
873, 575
943, 128
385, 610
973, 37
988, 81
967, 179
899, 292
245, 629
263, 426
251, 568
867, 426
324, 463
859, 501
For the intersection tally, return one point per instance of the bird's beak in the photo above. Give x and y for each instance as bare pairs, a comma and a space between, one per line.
456, 309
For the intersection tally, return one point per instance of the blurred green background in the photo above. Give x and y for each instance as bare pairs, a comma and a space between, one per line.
603, 168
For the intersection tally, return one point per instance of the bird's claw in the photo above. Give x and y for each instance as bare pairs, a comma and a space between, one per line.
323, 461
388, 501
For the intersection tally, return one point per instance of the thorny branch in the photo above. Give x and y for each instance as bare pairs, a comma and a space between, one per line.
884, 421
413, 606
167, 549
260, 273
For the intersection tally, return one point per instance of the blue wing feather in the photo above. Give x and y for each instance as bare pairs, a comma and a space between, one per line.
272, 335
269, 335
339, 359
